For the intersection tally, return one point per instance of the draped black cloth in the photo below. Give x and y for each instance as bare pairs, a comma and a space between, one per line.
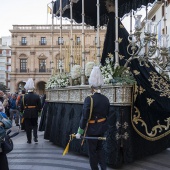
90, 9
62, 119
151, 112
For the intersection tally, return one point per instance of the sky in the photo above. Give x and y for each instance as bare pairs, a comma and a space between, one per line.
27, 12
22, 12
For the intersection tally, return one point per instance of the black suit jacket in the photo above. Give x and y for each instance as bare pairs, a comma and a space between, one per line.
31, 99
100, 110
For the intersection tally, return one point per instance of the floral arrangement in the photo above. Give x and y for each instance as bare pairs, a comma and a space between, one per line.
117, 75
108, 69
60, 80
75, 71
88, 68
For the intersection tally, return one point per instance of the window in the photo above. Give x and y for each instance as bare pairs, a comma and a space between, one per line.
78, 41
23, 65
23, 41
2, 68
42, 65
163, 31
43, 40
3, 52
60, 41
168, 2
154, 18
163, 11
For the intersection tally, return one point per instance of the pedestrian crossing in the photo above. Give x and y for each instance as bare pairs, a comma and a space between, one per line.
46, 156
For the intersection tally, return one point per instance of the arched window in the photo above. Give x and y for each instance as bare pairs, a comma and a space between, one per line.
42, 65
23, 65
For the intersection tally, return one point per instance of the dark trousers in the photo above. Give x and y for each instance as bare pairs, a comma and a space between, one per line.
96, 154
31, 124
3, 162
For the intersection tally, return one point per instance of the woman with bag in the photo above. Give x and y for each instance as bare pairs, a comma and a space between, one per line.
4, 124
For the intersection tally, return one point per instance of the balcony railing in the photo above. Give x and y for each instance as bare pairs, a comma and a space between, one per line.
42, 42
36, 70
23, 43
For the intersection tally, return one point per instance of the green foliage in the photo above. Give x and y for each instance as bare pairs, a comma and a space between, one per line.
118, 71
3, 87
120, 74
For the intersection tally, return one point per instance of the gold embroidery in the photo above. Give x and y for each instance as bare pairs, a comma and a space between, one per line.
153, 135
110, 55
147, 65
120, 40
150, 101
159, 84
135, 91
141, 90
121, 56
136, 72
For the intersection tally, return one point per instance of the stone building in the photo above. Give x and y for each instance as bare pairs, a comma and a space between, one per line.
36, 47
5, 60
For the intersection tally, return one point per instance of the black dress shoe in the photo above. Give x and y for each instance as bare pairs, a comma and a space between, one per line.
35, 140
29, 142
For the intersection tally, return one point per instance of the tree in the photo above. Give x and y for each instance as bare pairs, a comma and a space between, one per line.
3, 87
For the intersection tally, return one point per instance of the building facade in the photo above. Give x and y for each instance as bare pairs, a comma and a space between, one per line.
36, 47
5, 61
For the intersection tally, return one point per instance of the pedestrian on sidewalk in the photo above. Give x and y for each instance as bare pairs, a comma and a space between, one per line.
4, 124
93, 121
14, 113
30, 107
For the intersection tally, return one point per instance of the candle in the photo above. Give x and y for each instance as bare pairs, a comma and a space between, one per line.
153, 28
148, 27
138, 25
164, 41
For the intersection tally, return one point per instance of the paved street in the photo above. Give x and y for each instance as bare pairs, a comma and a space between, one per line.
46, 156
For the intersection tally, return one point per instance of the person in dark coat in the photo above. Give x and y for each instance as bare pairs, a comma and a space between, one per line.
5, 123
30, 107
97, 125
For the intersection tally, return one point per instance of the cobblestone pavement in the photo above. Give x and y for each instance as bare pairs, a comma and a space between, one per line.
46, 156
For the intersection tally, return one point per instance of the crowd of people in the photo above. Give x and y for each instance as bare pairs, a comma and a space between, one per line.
23, 109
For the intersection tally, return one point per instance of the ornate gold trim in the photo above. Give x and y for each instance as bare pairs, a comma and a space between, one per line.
151, 136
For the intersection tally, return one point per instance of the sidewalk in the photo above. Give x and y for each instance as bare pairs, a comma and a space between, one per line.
46, 156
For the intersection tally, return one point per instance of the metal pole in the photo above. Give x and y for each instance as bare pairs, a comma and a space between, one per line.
83, 47
52, 36
116, 31
165, 32
98, 32
60, 61
165, 2
71, 36
131, 22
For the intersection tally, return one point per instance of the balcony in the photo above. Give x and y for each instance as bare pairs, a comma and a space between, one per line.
42, 42
35, 71
23, 43
8, 63
58, 43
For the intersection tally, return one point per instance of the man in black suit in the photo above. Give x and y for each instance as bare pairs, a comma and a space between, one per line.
30, 106
97, 120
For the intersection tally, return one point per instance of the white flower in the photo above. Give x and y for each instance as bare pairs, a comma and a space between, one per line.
88, 68
61, 80
75, 71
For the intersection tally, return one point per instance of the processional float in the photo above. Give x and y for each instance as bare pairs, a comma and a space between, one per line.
139, 118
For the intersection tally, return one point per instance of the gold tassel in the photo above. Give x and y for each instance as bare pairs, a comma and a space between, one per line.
66, 149
22, 120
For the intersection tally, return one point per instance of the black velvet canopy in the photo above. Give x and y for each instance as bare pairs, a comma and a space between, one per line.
90, 8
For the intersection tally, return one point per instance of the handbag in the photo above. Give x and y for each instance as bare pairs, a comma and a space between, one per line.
7, 143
